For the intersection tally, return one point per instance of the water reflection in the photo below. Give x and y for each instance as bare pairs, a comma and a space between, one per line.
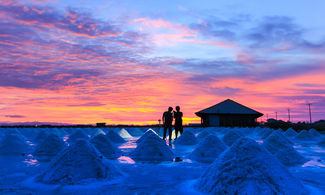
30, 143
129, 144
31, 161
126, 160
65, 138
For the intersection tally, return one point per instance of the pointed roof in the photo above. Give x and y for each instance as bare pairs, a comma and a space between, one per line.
228, 107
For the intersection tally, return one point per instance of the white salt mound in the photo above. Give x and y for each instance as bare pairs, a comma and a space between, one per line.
13, 144
16, 132
114, 137
290, 132
136, 132
79, 163
305, 136
187, 138
247, 168
78, 134
230, 137
203, 134
277, 144
149, 132
265, 132
41, 136
104, 146
315, 133
50, 147
98, 132
208, 150
124, 133
152, 149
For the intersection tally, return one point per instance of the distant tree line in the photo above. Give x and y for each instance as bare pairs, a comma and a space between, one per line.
275, 124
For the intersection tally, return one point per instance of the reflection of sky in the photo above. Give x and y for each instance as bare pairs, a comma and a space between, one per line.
127, 61
31, 161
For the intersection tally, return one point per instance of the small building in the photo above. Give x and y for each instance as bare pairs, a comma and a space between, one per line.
100, 124
228, 114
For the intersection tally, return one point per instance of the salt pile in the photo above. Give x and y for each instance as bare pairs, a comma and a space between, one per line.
305, 136
149, 132
114, 137
13, 144
265, 132
315, 133
135, 132
187, 138
208, 150
203, 134
152, 148
97, 132
104, 146
15, 132
79, 163
247, 168
290, 132
50, 147
79, 134
277, 144
41, 136
230, 137
124, 133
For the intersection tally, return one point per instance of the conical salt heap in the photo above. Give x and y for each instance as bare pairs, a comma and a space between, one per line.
149, 132
290, 132
42, 134
79, 163
315, 133
246, 168
265, 132
50, 147
187, 138
114, 137
277, 144
203, 134
104, 146
124, 133
230, 137
305, 136
152, 148
95, 132
13, 144
136, 132
16, 132
208, 150
79, 134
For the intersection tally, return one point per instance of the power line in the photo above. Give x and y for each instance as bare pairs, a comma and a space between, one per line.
309, 104
288, 114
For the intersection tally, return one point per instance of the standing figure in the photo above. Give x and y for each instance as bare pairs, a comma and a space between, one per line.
178, 121
168, 121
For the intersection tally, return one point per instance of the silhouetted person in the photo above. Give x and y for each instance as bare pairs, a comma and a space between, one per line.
168, 121
178, 121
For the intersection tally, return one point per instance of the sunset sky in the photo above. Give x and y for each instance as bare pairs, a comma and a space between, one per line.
126, 61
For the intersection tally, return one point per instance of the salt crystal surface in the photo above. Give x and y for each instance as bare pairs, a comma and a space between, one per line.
149, 132
230, 137
152, 148
50, 147
114, 137
124, 133
78, 134
315, 133
247, 168
290, 132
104, 146
305, 136
13, 144
187, 138
278, 145
208, 150
79, 163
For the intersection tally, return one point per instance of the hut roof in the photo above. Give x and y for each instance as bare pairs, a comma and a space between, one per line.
228, 107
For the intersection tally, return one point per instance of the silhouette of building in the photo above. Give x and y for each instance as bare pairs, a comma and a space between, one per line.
100, 124
228, 114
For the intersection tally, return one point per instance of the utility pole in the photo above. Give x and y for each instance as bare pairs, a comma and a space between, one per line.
159, 120
288, 114
309, 104
276, 115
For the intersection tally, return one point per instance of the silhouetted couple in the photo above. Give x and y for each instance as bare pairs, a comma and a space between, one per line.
168, 122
